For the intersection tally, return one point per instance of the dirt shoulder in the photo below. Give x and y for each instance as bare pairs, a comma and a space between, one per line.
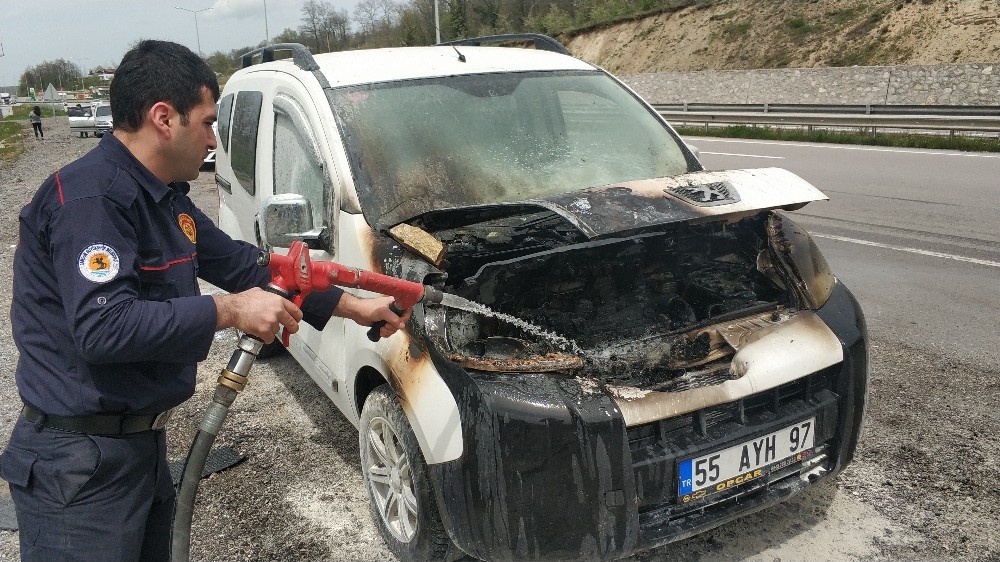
750, 34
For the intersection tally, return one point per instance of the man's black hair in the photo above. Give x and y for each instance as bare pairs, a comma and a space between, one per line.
155, 71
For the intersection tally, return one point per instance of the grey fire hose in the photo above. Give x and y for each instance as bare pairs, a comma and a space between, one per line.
232, 381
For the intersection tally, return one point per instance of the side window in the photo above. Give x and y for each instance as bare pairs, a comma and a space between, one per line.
225, 114
297, 164
246, 119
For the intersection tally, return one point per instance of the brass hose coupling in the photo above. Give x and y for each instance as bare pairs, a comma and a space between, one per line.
232, 380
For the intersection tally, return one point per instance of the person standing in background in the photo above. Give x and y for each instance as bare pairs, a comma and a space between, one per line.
36, 122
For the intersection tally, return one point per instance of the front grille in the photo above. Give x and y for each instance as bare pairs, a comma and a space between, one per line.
702, 422
657, 447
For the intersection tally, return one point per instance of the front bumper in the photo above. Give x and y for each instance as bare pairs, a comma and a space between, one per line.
550, 471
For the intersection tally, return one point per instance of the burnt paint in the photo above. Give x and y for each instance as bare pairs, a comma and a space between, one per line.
547, 473
541, 474
408, 359
842, 313
638, 205
805, 265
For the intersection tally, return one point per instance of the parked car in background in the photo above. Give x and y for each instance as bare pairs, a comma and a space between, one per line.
94, 118
209, 162
103, 123
648, 350
81, 119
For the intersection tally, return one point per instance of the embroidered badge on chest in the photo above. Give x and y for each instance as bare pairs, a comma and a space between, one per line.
187, 227
99, 263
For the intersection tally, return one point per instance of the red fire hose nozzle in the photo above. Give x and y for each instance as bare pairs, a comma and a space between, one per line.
294, 276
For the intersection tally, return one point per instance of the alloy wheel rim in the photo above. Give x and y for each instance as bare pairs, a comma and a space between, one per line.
391, 480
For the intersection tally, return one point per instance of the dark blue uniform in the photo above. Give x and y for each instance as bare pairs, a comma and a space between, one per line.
108, 320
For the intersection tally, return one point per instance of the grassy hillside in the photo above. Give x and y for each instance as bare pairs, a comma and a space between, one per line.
746, 34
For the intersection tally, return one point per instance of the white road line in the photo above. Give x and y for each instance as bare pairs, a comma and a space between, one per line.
746, 155
911, 250
843, 147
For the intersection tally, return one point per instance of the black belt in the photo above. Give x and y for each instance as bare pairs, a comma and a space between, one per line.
98, 425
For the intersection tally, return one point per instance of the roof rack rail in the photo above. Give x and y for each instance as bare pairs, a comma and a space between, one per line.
300, 55
542, 42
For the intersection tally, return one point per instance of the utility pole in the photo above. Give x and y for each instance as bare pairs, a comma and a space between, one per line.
196, 32
437, 24
1, 56
82, 72
267, 34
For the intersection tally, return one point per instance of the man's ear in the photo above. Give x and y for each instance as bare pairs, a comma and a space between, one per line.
160, 115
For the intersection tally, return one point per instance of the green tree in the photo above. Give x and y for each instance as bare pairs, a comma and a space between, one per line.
487, 16
457, 19
220, 63
61, 73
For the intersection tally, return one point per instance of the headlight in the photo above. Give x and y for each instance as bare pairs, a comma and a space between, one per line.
799, 261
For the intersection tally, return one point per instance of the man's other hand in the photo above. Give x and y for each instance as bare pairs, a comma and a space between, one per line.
369, 311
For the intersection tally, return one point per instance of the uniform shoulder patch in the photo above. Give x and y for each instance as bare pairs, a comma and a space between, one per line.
188, 227
99, 263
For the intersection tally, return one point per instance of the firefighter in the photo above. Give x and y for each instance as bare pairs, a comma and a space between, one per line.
110, 324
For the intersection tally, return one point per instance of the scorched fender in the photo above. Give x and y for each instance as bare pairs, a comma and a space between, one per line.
541, 474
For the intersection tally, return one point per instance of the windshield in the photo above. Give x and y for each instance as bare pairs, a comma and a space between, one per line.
439, 143
104, 111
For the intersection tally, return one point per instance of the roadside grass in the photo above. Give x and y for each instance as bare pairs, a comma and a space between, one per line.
11, 142
21, 111
902, 140
11, 145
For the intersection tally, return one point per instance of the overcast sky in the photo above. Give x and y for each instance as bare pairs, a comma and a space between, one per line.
95, 33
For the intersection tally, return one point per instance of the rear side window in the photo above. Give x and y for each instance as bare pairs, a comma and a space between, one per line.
225, 114
246, 119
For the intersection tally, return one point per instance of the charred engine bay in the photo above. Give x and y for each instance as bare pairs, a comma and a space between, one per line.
634, 305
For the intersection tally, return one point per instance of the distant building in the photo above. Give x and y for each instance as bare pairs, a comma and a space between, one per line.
104, 74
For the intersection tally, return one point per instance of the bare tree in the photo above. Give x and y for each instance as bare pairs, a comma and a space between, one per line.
313, 14
366, 14
389, 12
334, 29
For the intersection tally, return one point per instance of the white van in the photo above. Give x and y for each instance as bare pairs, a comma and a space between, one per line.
684, 354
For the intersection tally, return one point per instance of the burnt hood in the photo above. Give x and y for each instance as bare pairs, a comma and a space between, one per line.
640, 204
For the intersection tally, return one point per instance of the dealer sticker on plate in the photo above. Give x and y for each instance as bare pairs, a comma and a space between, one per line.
739, 464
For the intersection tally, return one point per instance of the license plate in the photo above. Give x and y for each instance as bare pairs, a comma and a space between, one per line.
746, 462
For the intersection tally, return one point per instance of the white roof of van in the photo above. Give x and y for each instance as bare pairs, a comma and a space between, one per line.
348, 68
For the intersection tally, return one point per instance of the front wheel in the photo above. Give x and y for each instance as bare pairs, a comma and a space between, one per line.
399, 492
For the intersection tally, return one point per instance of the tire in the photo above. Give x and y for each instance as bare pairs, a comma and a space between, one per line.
396, 477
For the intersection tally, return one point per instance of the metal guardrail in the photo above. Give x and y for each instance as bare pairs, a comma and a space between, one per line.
950, 118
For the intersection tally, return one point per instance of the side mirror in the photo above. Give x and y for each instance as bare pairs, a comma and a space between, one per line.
694, 150
286, 218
